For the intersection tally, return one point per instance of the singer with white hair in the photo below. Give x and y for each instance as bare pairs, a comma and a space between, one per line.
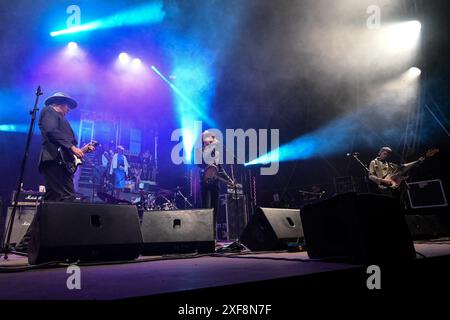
211, 173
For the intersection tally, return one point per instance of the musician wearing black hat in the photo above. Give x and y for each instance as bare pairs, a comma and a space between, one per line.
57, 136
57, 133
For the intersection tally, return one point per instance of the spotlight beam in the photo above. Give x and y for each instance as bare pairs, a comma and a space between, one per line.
146, 14
191, 105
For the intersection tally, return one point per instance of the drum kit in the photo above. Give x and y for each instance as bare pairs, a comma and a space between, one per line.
160, 199
155, 200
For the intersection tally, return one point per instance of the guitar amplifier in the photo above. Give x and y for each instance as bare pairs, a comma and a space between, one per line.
28, 198
426, 194
22, 220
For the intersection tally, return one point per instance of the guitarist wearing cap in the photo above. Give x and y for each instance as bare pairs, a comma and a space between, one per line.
59, 155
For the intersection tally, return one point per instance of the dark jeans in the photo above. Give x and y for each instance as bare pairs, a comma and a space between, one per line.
58, 182
210, 199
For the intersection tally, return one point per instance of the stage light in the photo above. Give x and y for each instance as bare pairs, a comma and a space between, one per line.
144, 14
21, 128
72, 45
414, 72
136, 62
73, 50
124, 58
403, 35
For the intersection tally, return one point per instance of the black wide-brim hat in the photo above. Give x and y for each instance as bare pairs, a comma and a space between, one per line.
61, 98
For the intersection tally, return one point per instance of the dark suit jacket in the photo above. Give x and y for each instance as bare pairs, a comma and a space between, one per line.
56, 132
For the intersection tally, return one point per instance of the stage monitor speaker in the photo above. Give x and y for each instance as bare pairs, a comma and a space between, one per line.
22, 220
179, 231
273, 229
430, 226
84, 231
357, 228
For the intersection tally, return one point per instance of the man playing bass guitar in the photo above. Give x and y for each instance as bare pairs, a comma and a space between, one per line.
57, 137
388, 175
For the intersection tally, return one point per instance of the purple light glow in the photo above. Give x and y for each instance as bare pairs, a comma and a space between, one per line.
102, 84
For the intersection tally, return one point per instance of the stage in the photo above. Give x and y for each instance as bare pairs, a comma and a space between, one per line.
244, 277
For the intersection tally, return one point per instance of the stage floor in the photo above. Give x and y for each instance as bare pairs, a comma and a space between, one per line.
154, 276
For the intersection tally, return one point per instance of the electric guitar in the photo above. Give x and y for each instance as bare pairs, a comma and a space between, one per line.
398, 176
70, 161
211, 174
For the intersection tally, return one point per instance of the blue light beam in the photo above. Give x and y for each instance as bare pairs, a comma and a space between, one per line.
190, 104
146, 14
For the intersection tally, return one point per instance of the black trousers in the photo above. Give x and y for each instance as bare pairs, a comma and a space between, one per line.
58, 182
210, 199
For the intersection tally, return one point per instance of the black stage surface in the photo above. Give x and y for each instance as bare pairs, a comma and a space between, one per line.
246, 276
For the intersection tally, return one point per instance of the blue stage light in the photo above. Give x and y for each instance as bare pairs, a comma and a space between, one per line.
23, 128
146, 14
187, 113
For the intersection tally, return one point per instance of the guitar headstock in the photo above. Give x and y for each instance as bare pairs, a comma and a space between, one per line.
94, 143
431, 152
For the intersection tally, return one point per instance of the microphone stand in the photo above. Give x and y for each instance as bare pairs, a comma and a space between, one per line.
360, 162
6, 247
365, 168
186, 201
236, 200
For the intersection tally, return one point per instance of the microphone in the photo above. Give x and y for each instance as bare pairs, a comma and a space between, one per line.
352, 154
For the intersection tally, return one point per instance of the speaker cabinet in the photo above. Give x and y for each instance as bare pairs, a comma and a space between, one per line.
358, 228
22, 220
179, 231
428, 226
272, 229
84, 231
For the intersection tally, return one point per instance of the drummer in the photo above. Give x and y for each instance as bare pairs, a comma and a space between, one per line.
119, 169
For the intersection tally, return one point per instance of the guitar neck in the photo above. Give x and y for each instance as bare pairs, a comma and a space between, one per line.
86, 147
402, 171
